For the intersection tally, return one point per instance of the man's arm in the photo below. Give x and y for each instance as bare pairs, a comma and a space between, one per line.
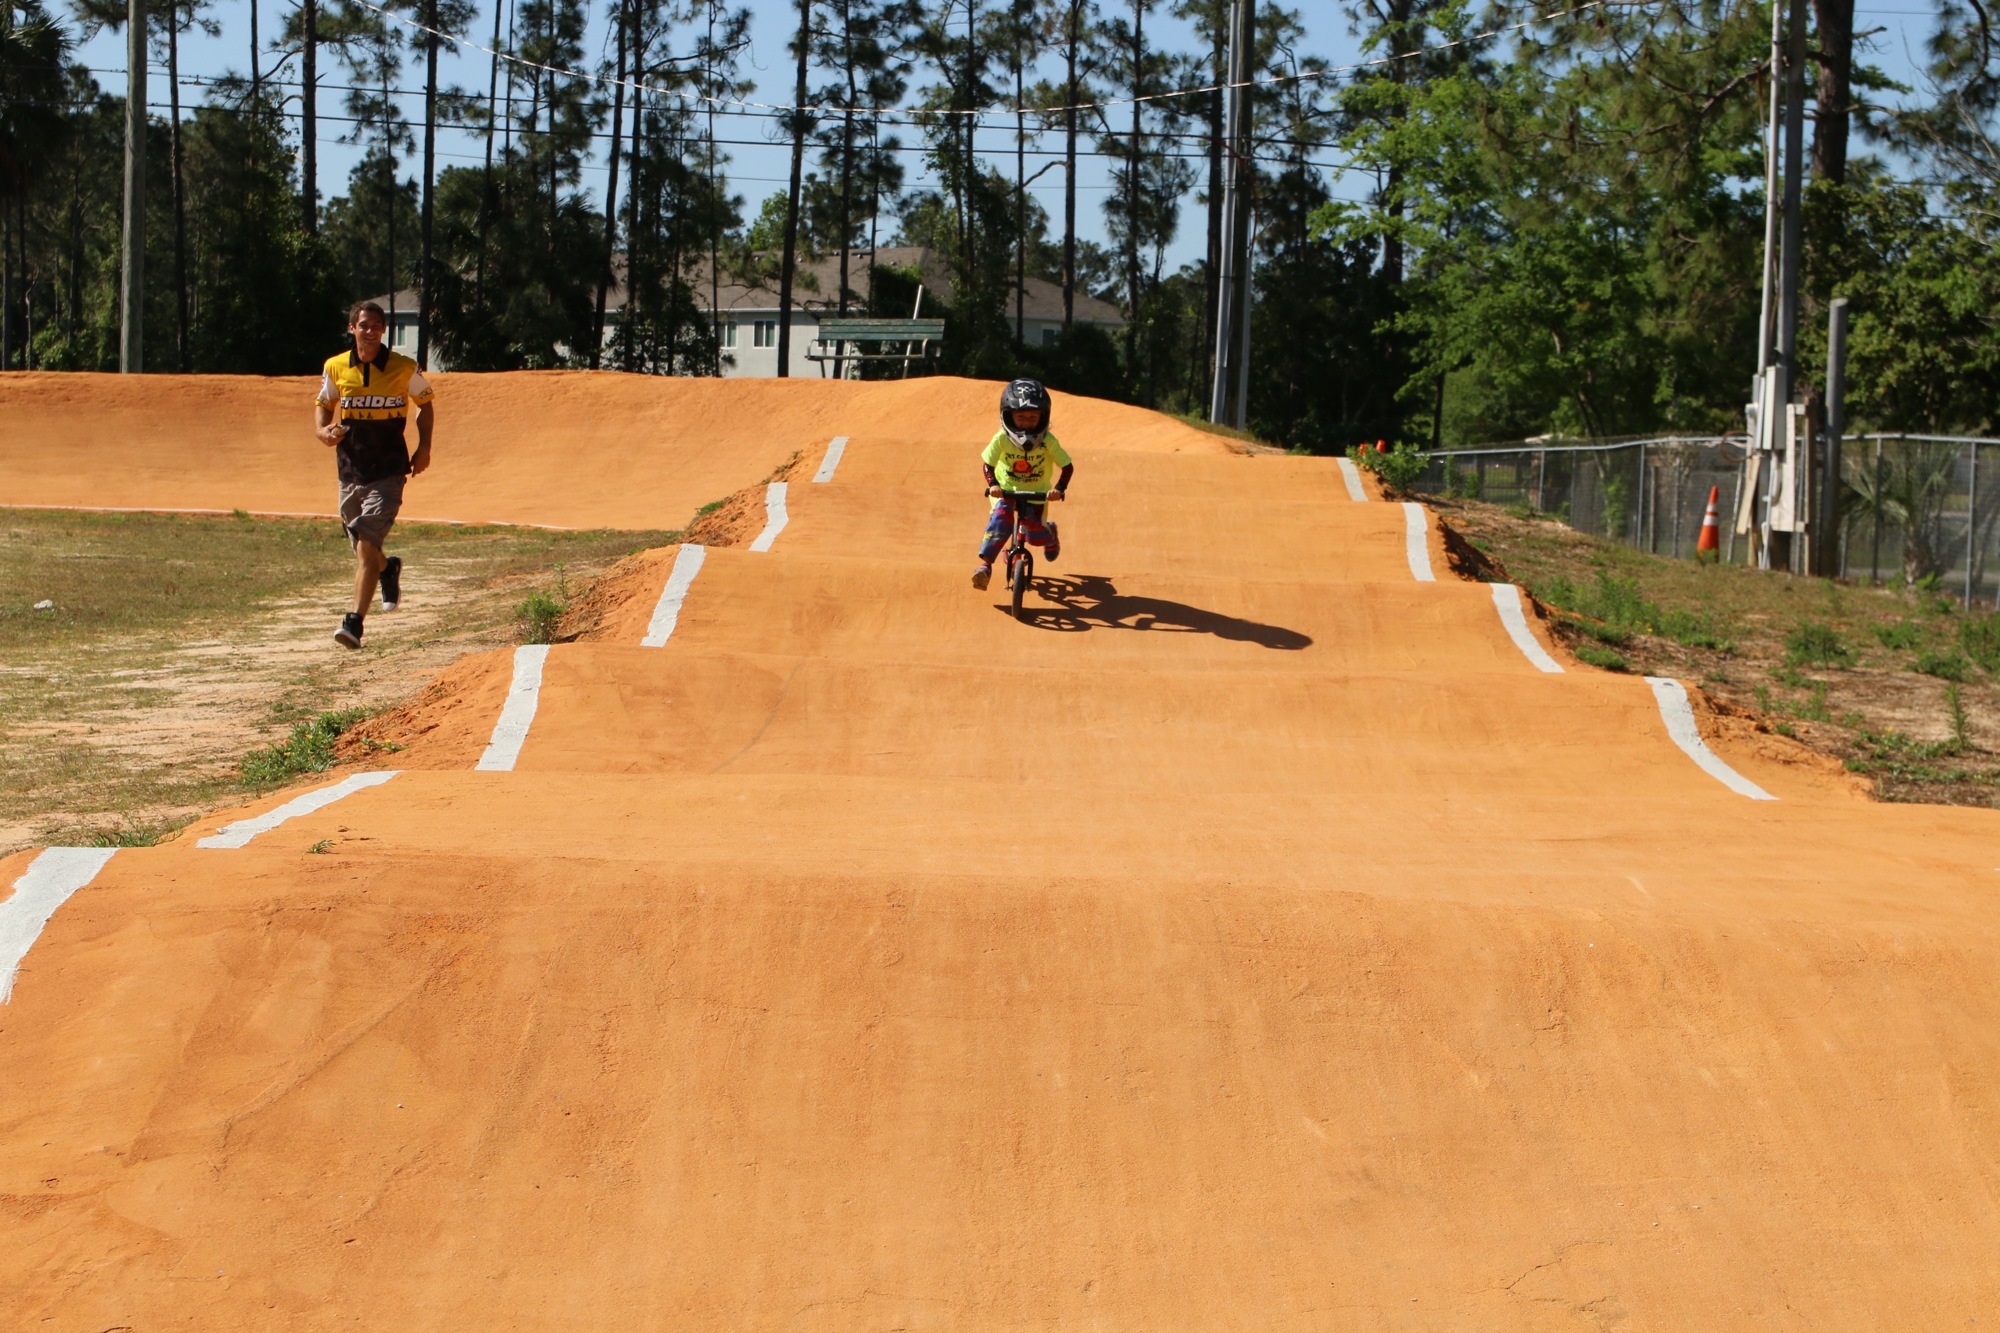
329, 430
426, 422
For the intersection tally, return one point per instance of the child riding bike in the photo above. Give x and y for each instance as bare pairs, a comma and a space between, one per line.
1020, 457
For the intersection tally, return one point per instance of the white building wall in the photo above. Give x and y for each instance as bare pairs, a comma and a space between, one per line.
744, 359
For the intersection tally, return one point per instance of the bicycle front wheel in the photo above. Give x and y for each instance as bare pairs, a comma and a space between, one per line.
1019, 575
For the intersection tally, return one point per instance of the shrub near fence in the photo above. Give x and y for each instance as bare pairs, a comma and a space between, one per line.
1914, 508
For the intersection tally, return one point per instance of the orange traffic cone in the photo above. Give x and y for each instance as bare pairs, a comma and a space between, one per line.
1708, 546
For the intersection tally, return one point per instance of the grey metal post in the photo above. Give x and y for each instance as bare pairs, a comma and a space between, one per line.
1875, 526
1245, 298
1971, 522
132, 267
1786, 365
1836, 425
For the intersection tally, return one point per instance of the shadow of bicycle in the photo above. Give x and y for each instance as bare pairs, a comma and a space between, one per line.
1091, 601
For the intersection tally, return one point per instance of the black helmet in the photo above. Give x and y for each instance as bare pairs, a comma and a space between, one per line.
1024, 397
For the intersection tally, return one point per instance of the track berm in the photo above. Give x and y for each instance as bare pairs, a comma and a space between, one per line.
1256, 938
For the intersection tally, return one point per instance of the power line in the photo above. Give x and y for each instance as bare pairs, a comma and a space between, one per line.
914, 114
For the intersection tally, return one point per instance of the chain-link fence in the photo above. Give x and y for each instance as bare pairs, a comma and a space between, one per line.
1915, 507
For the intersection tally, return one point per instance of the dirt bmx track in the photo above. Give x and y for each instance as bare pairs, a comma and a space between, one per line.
1257, 939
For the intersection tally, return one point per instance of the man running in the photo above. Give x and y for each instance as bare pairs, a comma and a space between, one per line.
365, 397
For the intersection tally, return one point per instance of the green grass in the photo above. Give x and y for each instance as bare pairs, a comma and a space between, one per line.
135, 592
309, 749
1979, 636
1612, 610
1598, 655
1945, 664
1816, 643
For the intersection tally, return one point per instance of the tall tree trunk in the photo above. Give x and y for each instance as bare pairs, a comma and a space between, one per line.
788, 263
549, 141
1132, 200
1069, 164
180, 185
1212, 283
846, 167
487, 202
256, 68
309, 110
635, 238
966, 166
1020, 189
6, 286
1834, 106
611, 193
389, 171
1400, 43
425, 288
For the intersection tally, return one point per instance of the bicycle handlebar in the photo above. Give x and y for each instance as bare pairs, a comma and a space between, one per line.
1023, 495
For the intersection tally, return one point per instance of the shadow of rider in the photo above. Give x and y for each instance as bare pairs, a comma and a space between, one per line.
1091, 601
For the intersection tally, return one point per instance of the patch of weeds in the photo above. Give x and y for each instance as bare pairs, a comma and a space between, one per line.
1611, 610
1599, 656
1853, 720
541, 611
1980, 637
243, 514
1786, 730
1785, 675
309, 749
1961, 725
321, 848
1765, 704
1399, 468
1903, 637
1944, 664
1816, 643
382, 747
1814, 709
709, 508
134, 835
1894, 757
1526, 512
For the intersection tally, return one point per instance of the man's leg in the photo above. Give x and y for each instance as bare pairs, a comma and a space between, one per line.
368, 562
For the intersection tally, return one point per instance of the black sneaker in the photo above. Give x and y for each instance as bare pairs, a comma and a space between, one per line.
1054, 548
349, 633
392, 583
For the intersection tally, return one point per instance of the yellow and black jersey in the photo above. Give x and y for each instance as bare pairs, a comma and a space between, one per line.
373, 399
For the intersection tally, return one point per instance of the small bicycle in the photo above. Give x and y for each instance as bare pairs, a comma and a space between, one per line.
1020, 562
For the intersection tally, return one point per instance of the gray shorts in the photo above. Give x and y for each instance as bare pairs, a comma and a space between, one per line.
368, 509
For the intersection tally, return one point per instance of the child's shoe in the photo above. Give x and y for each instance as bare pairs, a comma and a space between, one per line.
1054, 548
982, 576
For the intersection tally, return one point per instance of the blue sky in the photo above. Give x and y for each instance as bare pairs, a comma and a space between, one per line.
759, 169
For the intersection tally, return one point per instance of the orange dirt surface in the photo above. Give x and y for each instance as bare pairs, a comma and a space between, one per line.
570, 449
1251, 937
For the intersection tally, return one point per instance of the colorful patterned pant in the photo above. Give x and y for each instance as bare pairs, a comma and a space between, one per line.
1000, 527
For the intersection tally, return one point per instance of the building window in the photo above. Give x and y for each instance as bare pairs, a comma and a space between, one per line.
767, 333
1049, 337
729, 333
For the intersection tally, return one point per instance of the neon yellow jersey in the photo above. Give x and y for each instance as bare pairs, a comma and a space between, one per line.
373, 399
1021, 469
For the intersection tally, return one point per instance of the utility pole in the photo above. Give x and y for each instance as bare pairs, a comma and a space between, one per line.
132, 269
1227, 402
1795, 500
424, 293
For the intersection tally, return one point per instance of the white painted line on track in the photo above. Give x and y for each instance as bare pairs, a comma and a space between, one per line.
667, 613
775, 516
1507, 597
832, 459
1352, 476
240, 833
1416, 541
48, 883
1678, 713
518, 713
